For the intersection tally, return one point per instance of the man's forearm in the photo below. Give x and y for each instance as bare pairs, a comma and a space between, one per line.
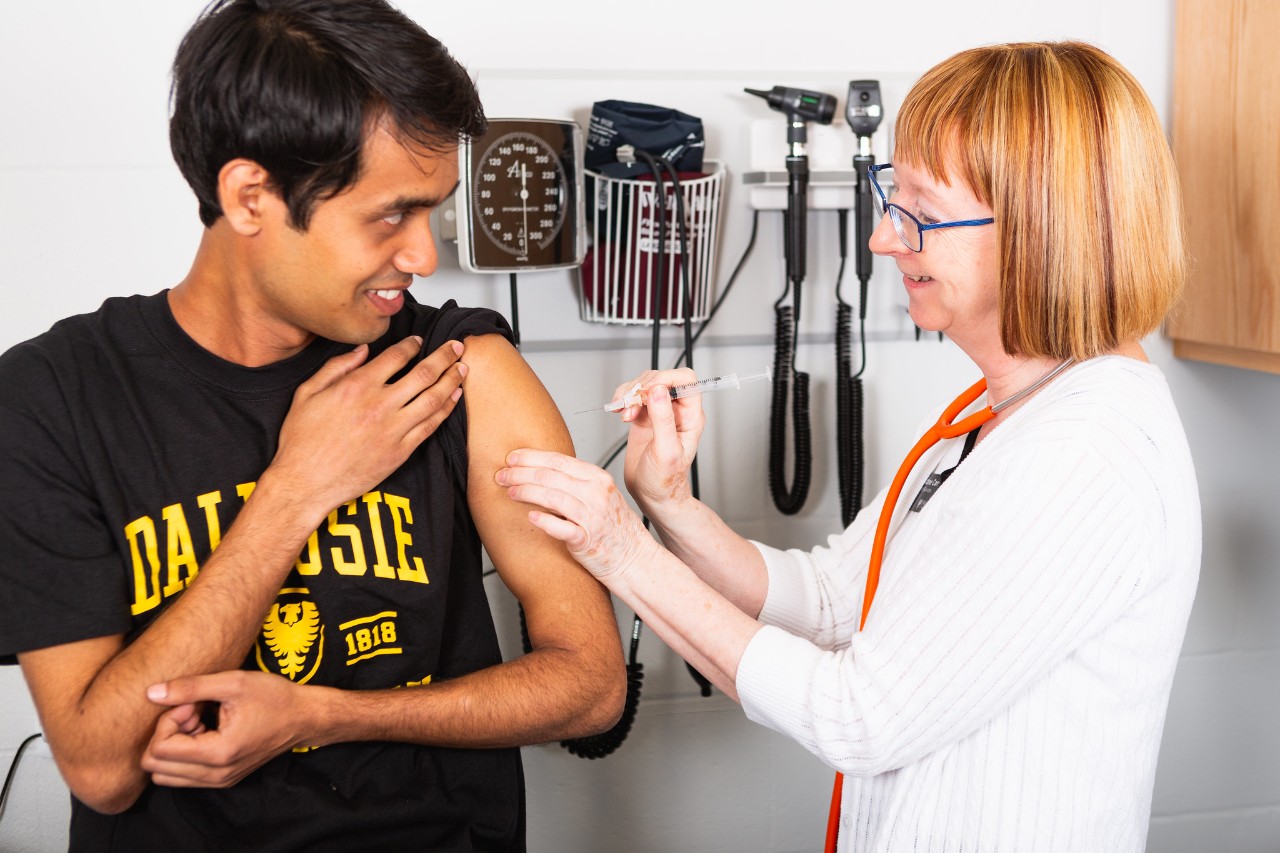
547, 695
209, 628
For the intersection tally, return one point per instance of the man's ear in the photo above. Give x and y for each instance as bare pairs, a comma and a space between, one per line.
244, 195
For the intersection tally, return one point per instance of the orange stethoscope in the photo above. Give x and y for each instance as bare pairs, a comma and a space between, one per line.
944, 428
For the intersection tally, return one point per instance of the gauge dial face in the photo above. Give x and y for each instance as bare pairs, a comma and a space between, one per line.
521, 194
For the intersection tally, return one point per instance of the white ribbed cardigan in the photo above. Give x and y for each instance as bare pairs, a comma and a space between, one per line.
1009, 690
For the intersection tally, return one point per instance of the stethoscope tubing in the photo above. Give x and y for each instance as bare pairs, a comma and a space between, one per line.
946, 427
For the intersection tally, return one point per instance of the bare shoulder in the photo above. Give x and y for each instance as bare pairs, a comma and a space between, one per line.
507, 405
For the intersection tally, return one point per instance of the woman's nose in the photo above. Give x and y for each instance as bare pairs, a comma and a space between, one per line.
885, 240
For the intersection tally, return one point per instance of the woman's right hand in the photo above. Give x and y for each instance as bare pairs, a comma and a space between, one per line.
663, 440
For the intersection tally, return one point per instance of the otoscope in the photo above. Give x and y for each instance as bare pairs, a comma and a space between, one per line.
800, 106
863, 112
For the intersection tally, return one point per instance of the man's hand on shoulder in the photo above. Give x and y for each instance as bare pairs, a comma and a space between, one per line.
349, 427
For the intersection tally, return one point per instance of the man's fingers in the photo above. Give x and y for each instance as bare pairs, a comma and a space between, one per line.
434, 365
334, 369
191, 689
181, 748
392, 360
428, 407
184, 718
441, 372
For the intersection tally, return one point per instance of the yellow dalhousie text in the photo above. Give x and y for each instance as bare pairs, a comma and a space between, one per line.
369, 535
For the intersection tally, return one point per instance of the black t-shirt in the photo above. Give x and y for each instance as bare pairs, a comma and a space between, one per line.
126, 451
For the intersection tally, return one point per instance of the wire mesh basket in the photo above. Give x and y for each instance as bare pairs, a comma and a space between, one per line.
619, 274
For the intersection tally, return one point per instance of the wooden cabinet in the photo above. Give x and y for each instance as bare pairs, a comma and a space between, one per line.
1226, 139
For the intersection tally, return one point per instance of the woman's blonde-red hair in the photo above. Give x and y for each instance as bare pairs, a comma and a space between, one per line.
1064, 145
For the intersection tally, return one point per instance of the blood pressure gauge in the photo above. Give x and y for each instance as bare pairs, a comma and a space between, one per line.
520, 197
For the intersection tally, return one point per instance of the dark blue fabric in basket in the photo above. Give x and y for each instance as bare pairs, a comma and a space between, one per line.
661, 131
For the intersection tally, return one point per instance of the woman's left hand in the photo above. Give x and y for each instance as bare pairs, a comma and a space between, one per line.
584, 510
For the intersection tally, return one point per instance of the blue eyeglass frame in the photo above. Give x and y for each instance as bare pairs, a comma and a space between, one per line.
897, 211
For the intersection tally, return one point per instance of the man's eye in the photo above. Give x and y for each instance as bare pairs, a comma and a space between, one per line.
395, 218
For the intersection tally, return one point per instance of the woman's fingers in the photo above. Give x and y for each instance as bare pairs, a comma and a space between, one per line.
569, 487
644, 385
667, 449
557, 528
549, 460
580, 505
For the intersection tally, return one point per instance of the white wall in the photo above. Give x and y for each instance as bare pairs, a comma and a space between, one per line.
91, 205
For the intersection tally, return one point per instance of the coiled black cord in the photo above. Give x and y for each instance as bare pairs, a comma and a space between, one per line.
849, 447
789, 501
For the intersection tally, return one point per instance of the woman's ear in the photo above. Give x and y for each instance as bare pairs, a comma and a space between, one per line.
242, 190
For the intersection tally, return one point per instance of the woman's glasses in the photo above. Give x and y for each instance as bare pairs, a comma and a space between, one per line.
910, 230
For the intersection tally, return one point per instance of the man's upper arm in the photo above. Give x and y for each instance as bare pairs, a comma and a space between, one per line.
507, 408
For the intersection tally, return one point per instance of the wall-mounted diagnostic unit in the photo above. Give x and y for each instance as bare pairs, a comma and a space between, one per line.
520, 197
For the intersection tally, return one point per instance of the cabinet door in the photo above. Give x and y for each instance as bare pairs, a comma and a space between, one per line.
1226, 138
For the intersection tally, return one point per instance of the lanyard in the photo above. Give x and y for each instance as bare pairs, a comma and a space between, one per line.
944, 428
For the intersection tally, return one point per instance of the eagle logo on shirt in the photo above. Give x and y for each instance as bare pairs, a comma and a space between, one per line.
291, 633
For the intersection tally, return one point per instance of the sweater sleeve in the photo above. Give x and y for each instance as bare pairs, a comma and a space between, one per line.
817, 594
1023, 554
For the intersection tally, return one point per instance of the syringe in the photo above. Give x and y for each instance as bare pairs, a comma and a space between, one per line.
693, 389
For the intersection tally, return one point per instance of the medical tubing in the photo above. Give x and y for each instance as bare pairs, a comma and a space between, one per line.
746, 253
687, 301
13, 770
849, 456
704, 685
660, 280
515, 314
789, 501
598, 746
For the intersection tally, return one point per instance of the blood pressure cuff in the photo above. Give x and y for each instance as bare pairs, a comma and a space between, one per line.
660, 131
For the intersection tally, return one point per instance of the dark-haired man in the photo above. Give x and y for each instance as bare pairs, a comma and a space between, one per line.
241, 519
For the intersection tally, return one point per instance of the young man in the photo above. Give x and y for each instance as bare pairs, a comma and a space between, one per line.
240, 519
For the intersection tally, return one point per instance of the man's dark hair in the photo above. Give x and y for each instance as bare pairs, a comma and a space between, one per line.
297, 85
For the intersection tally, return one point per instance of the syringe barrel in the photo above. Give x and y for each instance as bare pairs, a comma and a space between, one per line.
702, 386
